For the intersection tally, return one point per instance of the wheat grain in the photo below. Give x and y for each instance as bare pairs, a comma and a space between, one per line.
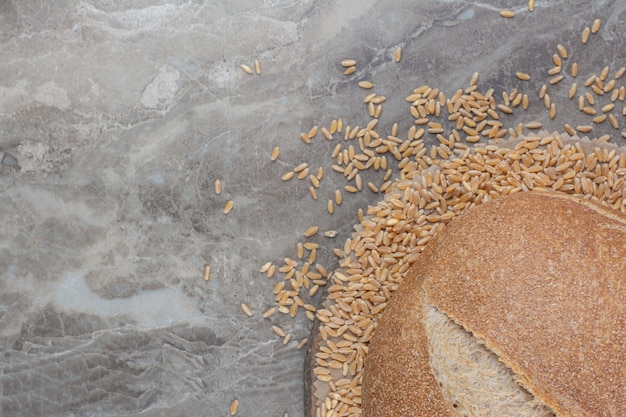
246, 310
397, 54
275, 153
595, 27
585, 35
234, 407
312, 230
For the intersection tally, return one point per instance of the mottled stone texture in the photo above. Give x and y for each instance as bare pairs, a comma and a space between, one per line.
117, 117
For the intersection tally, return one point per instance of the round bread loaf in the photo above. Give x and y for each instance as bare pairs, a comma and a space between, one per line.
518, 307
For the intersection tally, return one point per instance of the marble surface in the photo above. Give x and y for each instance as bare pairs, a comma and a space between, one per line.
116, 118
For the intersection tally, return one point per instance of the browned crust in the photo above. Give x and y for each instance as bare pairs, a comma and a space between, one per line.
398, 380
540, 278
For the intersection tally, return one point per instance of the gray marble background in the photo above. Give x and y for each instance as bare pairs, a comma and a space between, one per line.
117, 117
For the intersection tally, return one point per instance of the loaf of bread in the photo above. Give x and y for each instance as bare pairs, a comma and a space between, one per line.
516, 308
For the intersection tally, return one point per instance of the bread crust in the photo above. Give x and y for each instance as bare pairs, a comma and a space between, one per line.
541, 280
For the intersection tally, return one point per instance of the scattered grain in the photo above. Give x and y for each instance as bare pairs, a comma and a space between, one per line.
522, 76
556, 79
572, 91
604, 73
608, 107
269, 312
599, 119
280, 332
555, 70
595, 27
275, 153
589, 81
311, 231
234, 407
246, 69
613, 121
228, 206
507, 13
246, 310
300, 167
397, 54
218, 187
585, 35
474, 79
257, 66
207, 272
338, 196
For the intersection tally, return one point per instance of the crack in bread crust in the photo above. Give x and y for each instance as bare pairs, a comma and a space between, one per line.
471, 376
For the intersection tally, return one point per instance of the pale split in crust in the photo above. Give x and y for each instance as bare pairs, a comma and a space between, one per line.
539, 278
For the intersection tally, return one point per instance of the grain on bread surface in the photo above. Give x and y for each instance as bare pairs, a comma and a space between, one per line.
537, 277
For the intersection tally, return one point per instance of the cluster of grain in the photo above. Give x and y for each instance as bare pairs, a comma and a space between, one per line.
425, 186
396, 230
439, 183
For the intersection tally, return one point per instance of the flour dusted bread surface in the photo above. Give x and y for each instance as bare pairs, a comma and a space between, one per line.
539, 280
